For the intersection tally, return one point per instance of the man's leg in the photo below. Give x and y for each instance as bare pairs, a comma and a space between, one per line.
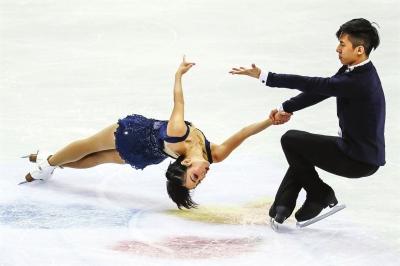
286, 196
304, 151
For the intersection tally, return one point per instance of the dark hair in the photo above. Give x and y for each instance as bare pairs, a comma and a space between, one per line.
176, 191
361, 32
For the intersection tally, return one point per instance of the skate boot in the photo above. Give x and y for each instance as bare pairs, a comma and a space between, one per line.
282, 213
278, 215
37, 157
311, 207
42, 170
31, 157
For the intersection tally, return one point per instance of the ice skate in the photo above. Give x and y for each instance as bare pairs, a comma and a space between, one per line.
322, 216
37, 157
31, 157
42, 170
311, 207
281, 214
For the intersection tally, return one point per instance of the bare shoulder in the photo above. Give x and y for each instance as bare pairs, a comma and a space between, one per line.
176, 128
215, 153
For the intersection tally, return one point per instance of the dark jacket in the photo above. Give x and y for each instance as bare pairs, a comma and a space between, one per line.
360, 105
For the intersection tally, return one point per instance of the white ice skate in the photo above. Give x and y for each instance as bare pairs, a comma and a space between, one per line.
42, 170
31, 157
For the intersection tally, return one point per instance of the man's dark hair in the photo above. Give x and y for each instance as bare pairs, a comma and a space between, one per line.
176, 191
361, 32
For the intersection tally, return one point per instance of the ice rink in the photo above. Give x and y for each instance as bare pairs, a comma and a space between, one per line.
71, 68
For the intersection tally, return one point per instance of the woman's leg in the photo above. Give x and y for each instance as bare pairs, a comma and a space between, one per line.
90, 160
103, 140
93, 159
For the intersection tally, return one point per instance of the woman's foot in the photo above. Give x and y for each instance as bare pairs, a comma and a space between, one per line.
42, 170
29, 178
32, 157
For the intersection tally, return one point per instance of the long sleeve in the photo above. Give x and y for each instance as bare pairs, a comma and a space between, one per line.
302, 101
360, 102
340, 85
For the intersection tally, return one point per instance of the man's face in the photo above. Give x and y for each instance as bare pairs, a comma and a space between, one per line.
348, 55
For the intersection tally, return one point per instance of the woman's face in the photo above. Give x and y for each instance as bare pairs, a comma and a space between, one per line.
195, 173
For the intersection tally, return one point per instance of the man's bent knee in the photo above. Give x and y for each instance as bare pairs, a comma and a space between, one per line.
290, 136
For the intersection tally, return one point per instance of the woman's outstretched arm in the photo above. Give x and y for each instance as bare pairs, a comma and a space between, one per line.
176, 123
220, 152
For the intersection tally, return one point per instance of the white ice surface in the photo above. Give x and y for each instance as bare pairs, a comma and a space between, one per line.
70, 68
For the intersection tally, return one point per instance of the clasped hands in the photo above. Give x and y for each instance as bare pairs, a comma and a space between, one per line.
279, 117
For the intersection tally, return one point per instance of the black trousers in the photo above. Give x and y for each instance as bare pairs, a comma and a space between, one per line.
305, 151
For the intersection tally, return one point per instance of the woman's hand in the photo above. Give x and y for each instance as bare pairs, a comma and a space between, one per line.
184, 66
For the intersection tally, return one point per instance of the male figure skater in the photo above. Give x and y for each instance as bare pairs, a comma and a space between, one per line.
358, 151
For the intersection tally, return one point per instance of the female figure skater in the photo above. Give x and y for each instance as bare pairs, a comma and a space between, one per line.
141, 141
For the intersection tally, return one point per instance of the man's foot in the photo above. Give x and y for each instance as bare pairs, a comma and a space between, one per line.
272, 210
282, 213
312, 207
279, 213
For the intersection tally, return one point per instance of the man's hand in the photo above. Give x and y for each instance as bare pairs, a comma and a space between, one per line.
184, 66
254, 71
279, 117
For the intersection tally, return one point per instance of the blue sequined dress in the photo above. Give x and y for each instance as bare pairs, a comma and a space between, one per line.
140, 140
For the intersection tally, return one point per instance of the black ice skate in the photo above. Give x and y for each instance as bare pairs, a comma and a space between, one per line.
308, 213
311, 208
281, 214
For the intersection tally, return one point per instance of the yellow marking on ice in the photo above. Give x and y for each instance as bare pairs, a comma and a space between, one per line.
251, 213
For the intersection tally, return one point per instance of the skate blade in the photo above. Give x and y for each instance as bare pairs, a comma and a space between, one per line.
280, 228
277, 227
24, 182
320, 217
274, 225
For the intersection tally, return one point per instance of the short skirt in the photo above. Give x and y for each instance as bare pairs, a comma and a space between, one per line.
138, 142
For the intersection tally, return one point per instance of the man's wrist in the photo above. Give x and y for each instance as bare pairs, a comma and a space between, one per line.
263, 77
